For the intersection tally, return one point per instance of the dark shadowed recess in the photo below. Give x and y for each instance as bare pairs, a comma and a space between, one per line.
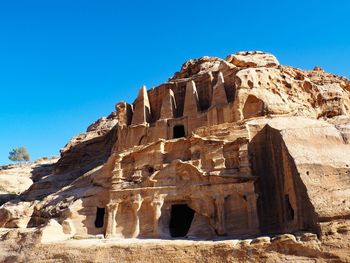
272, 164
180, 220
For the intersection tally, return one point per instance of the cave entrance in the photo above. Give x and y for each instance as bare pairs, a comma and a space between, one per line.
100, 214
180, 220
179, 131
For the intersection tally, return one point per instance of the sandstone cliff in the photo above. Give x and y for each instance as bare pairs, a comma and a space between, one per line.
256, 153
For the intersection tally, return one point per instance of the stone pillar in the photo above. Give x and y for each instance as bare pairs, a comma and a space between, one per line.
219, 93
136, 203
117, 174
253, 221
244, 163
112, 209
220, 215
142, 108
168, 105
191, 100
157, 204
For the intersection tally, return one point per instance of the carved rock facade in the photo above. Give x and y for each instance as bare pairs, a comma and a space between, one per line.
237, 148
188, 162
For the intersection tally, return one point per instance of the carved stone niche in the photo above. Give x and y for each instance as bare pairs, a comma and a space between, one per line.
253, 107
178, 128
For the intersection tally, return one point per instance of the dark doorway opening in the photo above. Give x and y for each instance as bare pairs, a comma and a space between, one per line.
180, 220
100, 215
179, 131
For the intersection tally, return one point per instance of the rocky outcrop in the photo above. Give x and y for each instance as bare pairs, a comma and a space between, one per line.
241, 148
87, 150
252, 59
15, 179
303, 247
16, 214
308, 151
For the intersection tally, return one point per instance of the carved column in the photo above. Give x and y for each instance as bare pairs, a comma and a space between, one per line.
136, 203
157, 204
112, 209
253, 221
220, 215
117, 174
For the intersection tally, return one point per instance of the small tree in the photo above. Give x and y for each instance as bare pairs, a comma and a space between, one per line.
19, 155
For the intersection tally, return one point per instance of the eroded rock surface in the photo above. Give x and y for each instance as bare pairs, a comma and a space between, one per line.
242, 151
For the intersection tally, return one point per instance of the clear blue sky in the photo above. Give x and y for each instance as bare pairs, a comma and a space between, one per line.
64, 64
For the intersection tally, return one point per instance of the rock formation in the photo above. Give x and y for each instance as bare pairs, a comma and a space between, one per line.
240, 149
